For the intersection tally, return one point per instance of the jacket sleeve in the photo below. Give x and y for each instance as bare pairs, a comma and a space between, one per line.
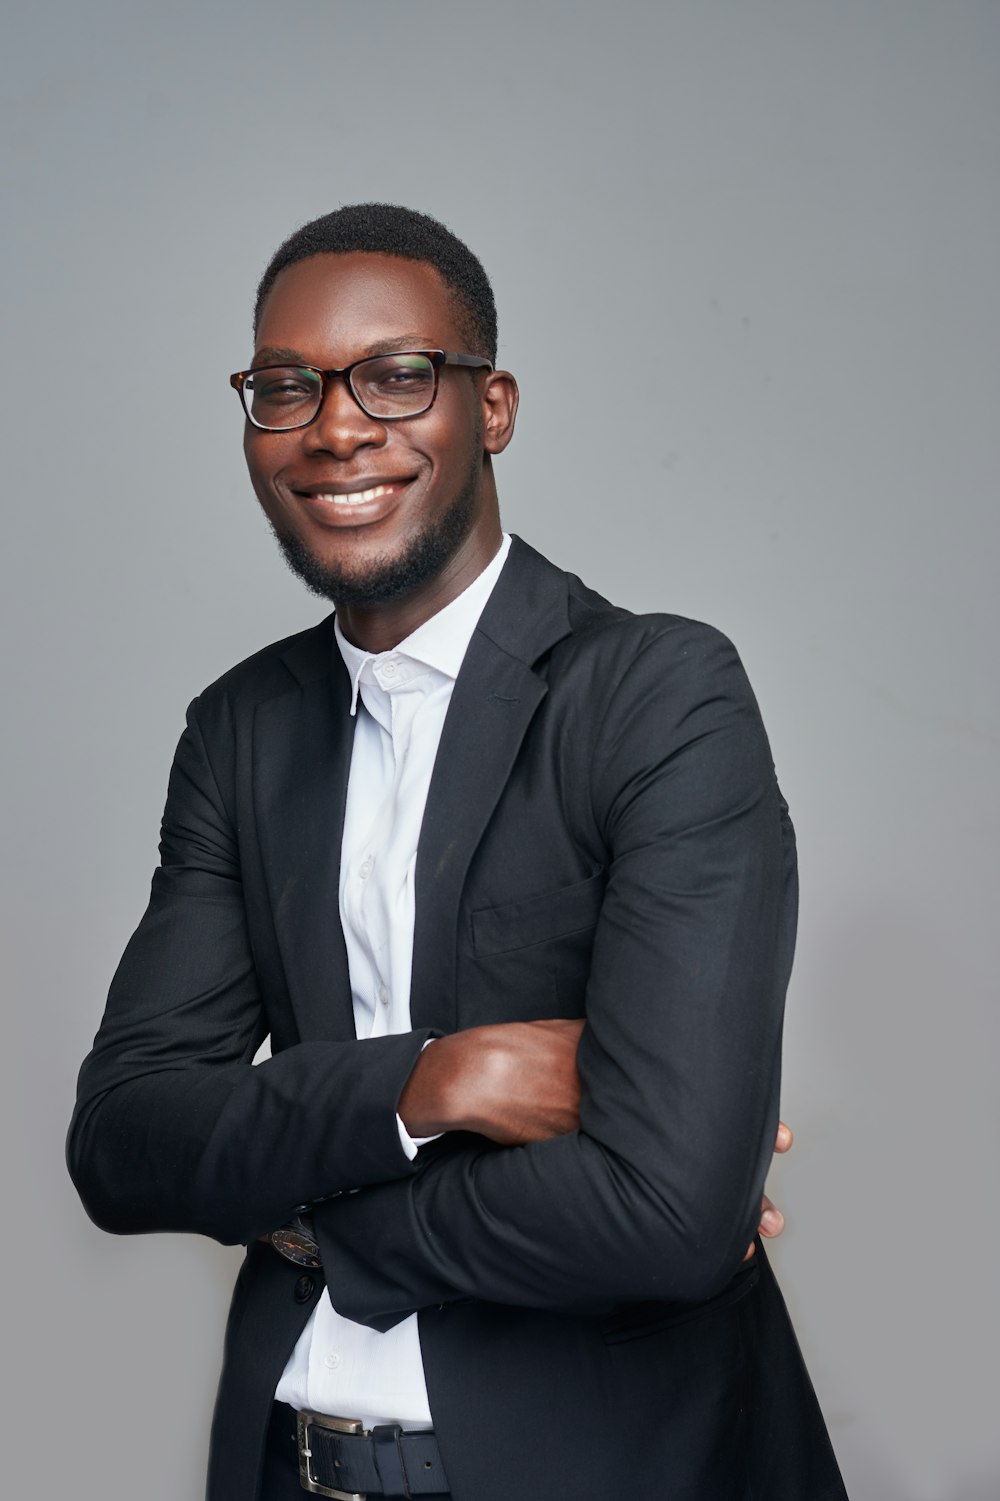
657, 1195
174, 1128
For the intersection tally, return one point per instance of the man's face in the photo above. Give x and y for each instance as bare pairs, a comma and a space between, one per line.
433, 510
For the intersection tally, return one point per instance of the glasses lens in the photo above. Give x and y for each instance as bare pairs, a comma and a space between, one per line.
394, 385
282, 396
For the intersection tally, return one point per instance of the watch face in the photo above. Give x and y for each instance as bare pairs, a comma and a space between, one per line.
295, 1244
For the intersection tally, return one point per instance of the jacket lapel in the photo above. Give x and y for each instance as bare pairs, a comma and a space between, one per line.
302, 756
494, 700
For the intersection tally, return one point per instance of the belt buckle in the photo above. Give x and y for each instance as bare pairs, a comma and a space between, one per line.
307, 1421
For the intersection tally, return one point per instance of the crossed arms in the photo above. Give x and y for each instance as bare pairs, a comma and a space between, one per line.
645, 1184
516, 1083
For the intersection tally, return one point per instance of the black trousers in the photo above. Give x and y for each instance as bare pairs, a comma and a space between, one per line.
281, 1461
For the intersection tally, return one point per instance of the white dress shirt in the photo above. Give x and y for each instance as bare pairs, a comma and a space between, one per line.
339, 1366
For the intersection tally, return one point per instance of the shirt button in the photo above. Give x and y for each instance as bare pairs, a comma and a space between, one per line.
389, 669
383, 995
331, 1361
366, 867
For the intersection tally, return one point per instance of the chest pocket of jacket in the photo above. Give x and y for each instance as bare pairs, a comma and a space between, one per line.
538, 919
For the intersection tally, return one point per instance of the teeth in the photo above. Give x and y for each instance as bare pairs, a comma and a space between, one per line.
355, 497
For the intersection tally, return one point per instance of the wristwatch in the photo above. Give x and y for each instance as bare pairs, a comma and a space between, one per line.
296, 1241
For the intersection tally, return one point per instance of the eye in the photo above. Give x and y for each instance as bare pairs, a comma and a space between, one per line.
284, 386
403, 375
397, 375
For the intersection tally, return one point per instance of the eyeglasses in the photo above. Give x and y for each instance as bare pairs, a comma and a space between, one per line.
404, 384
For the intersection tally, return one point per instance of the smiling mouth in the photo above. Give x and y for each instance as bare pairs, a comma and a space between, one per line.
352, 497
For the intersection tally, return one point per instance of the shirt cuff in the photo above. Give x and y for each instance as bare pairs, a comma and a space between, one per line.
411, 1144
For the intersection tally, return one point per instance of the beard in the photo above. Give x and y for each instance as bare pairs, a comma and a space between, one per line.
389, 576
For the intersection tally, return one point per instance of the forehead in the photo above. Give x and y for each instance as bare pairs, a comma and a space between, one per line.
333, 309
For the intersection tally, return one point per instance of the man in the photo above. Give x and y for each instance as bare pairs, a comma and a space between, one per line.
504, 872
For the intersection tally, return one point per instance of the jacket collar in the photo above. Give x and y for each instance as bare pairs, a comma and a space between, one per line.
526, 614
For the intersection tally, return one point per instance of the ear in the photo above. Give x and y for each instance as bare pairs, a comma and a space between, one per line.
499, 397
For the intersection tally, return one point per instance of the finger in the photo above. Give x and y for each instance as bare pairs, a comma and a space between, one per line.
772, 1221
751, 1252
784, 1139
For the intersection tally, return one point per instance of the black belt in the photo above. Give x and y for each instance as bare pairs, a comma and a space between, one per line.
339, 1457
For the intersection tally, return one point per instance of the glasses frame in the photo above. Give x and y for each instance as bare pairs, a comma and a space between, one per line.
437, 357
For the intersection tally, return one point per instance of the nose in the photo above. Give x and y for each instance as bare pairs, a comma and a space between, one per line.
341, 425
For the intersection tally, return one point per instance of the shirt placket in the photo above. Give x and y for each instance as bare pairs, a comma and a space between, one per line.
385, 869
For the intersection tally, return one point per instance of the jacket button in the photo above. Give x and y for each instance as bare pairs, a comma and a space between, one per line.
304, 1289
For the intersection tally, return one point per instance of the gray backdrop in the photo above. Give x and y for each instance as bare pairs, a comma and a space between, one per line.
785, 216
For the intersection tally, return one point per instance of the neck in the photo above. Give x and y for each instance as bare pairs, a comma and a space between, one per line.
380, 627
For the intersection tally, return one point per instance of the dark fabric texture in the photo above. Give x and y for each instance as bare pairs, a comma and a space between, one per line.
603, 837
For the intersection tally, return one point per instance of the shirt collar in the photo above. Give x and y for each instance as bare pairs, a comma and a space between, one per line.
442, 641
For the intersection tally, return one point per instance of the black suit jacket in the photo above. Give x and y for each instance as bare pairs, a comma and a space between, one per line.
603, 837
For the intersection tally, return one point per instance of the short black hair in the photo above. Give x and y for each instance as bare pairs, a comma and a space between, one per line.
387, 229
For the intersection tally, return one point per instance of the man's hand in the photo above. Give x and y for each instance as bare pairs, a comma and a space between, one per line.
516, 1082
772, 1221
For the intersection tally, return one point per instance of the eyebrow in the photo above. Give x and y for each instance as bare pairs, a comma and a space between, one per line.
398, 343
274, 356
